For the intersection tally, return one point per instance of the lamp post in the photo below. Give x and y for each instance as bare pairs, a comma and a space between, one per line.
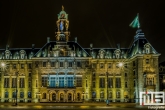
107, 101
83, 96
16, 87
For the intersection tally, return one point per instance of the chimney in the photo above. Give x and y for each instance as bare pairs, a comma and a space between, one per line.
48, 39
33, 46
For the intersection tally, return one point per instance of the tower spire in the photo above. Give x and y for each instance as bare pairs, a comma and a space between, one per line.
62, 8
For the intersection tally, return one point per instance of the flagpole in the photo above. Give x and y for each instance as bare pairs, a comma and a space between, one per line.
138, 21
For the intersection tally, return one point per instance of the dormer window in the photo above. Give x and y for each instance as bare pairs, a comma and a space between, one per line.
117, 53
102, 53
147, 48
7, 54
22, 54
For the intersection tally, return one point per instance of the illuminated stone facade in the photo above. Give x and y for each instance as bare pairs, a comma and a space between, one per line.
63, 71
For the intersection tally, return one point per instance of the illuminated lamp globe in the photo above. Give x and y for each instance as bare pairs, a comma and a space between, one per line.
3, 64
120, 64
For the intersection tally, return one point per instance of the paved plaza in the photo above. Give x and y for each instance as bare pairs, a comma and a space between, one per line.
73, 106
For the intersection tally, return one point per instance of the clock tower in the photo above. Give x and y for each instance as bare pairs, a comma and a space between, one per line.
62, 33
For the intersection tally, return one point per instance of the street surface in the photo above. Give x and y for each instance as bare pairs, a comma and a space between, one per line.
73, 106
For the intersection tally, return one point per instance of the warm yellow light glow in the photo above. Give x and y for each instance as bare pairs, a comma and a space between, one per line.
3, 64
120, 64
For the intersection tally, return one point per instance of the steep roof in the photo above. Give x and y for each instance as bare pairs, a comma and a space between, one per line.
140, 45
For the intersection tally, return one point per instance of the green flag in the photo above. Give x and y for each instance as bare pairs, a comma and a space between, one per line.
135, 23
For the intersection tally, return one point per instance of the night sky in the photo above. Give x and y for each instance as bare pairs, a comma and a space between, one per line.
101, 22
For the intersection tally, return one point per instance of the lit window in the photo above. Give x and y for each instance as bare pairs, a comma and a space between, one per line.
110, 94
22, 83
21, 94
102, 82
102, 94
93, 94
117, 94
6, 94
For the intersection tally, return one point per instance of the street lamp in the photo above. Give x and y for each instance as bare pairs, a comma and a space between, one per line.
107, 101
120, 64
83, 96
16, 86
3, 64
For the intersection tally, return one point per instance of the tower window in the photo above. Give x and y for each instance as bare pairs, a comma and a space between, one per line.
147, 61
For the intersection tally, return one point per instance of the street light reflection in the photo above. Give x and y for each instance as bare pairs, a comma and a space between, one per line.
84, 106
38, 107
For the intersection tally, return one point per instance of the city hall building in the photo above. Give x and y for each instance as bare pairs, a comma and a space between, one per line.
63, 71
